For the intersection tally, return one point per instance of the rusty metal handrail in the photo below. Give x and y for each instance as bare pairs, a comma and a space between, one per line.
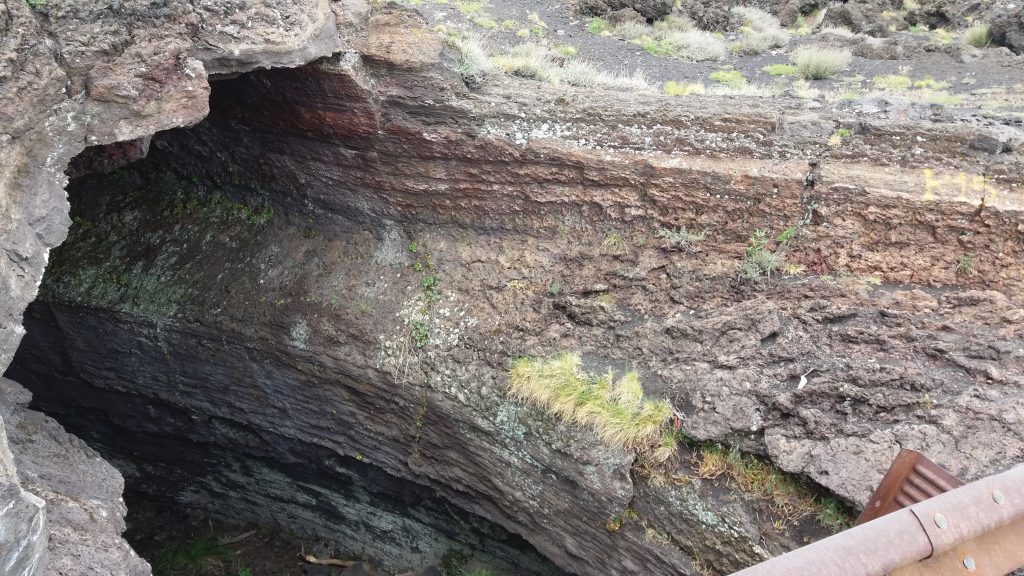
909, 535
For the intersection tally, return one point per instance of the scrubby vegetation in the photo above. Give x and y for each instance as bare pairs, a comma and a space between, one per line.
760, 260
730, 77
759, 31
819, 62
531, 60
788, 496
978, 36
673, 36
679, 238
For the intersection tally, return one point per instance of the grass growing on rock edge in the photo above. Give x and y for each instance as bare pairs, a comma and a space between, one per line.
788, 496
615, 409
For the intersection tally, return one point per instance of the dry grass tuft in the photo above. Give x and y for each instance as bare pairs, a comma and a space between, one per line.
819, 62
615, 410
790, 497
759, 31
474, 63
531, 60
977, 36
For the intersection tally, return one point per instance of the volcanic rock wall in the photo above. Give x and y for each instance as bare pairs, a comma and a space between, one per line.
249, 295
85, 73
252, 287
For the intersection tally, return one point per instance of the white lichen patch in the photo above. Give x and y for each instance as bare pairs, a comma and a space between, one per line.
423, 329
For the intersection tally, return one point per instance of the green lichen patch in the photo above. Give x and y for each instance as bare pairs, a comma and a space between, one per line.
134, 253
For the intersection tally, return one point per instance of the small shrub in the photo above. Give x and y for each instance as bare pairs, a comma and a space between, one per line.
730, 77
965, 266
597, 25
430, 284
838, 31
673, 88
836, 140
781, 70
978, 36
566, 50
789, 497
819, 62
655, 47
486, 22
759, 32
584, 74
695, 45
943, 36
509, 24
193, 558
759, 260
931, 84
758, 42
833, 515
673, 23
420, 333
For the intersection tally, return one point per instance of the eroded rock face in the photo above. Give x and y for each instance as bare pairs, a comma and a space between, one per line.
78, 73
82, 493
183, 309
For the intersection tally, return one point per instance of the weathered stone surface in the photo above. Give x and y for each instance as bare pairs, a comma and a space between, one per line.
23, 534
646, 8
78, 73
82, 493
297, 329
285, 339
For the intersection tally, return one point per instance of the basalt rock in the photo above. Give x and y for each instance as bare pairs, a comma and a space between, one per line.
650, 9
303, 308
80, 73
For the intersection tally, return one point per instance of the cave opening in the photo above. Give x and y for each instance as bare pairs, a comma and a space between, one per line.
193, 329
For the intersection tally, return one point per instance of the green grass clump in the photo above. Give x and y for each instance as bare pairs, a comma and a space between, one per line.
566, 50
781, 70
471, 7
730, 77
597, 25
819, 62
977, 36
615, 409
474, 62
527, 60
931, 84
486, 22
673, 88
892, 82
